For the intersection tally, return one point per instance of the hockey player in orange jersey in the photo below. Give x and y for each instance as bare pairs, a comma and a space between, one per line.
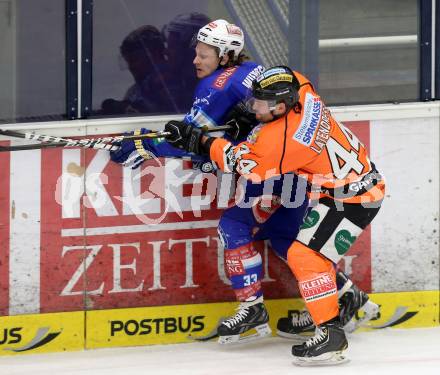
298, 134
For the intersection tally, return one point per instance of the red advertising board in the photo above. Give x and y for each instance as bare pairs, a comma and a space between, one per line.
110, 238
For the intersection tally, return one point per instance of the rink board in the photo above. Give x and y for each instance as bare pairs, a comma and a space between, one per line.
78, 232
42, 333
69, 331
84, 241
175, 324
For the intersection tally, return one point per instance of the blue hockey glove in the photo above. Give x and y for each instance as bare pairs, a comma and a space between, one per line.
133, 153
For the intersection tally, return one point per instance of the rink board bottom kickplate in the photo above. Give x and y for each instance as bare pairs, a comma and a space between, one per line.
42, 333
181, 323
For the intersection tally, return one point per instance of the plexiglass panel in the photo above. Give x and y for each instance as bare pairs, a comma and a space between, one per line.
32, 61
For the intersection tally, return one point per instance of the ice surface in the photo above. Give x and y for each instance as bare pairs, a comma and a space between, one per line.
388, 351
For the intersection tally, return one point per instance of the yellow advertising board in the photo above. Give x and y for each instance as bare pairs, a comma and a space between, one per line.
183, 323
400, 310
153, 325
41, 333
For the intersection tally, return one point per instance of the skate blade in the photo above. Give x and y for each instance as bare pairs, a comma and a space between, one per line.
262, 331
326, 359
370, 310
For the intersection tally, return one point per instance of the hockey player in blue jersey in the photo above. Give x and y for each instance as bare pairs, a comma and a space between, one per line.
225, 78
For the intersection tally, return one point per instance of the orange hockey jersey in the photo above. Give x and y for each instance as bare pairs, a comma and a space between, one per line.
311, 144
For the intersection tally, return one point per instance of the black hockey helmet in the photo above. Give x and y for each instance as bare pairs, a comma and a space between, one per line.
277, 84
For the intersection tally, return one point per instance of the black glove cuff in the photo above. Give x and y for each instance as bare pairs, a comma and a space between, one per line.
206, 146
193, 142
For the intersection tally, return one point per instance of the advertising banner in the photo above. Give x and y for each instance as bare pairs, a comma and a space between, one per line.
139, 250
85, 233
187, 323
79, 232
42, 333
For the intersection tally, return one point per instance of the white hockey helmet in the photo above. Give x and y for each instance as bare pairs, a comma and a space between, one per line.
223, 35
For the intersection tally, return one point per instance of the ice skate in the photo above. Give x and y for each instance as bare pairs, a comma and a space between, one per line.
249, 316
355, 310
325, 348
297, 326
352, 300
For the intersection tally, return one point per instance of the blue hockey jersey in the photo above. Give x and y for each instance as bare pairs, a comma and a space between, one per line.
214, 97
218, 93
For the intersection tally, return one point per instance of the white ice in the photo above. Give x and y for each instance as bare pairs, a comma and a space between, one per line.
388, 351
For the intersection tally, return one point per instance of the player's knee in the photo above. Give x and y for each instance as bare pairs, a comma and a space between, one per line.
301, 258
297, 255
233, 234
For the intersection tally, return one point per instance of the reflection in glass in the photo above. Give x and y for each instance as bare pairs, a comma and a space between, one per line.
356, 74
161, 66
32, 60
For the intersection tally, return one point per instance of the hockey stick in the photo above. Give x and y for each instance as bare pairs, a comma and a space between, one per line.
209, 336
31, 147
105, 143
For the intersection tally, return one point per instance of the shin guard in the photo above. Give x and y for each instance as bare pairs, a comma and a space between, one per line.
244, 267
317, 281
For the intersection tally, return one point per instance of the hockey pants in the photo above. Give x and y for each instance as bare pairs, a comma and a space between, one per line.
326, 235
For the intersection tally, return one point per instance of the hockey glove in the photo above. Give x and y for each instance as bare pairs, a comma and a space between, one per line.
184, 136
241, 121
133, 153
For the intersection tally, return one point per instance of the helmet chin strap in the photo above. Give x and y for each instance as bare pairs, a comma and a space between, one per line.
220, 66
274, 116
